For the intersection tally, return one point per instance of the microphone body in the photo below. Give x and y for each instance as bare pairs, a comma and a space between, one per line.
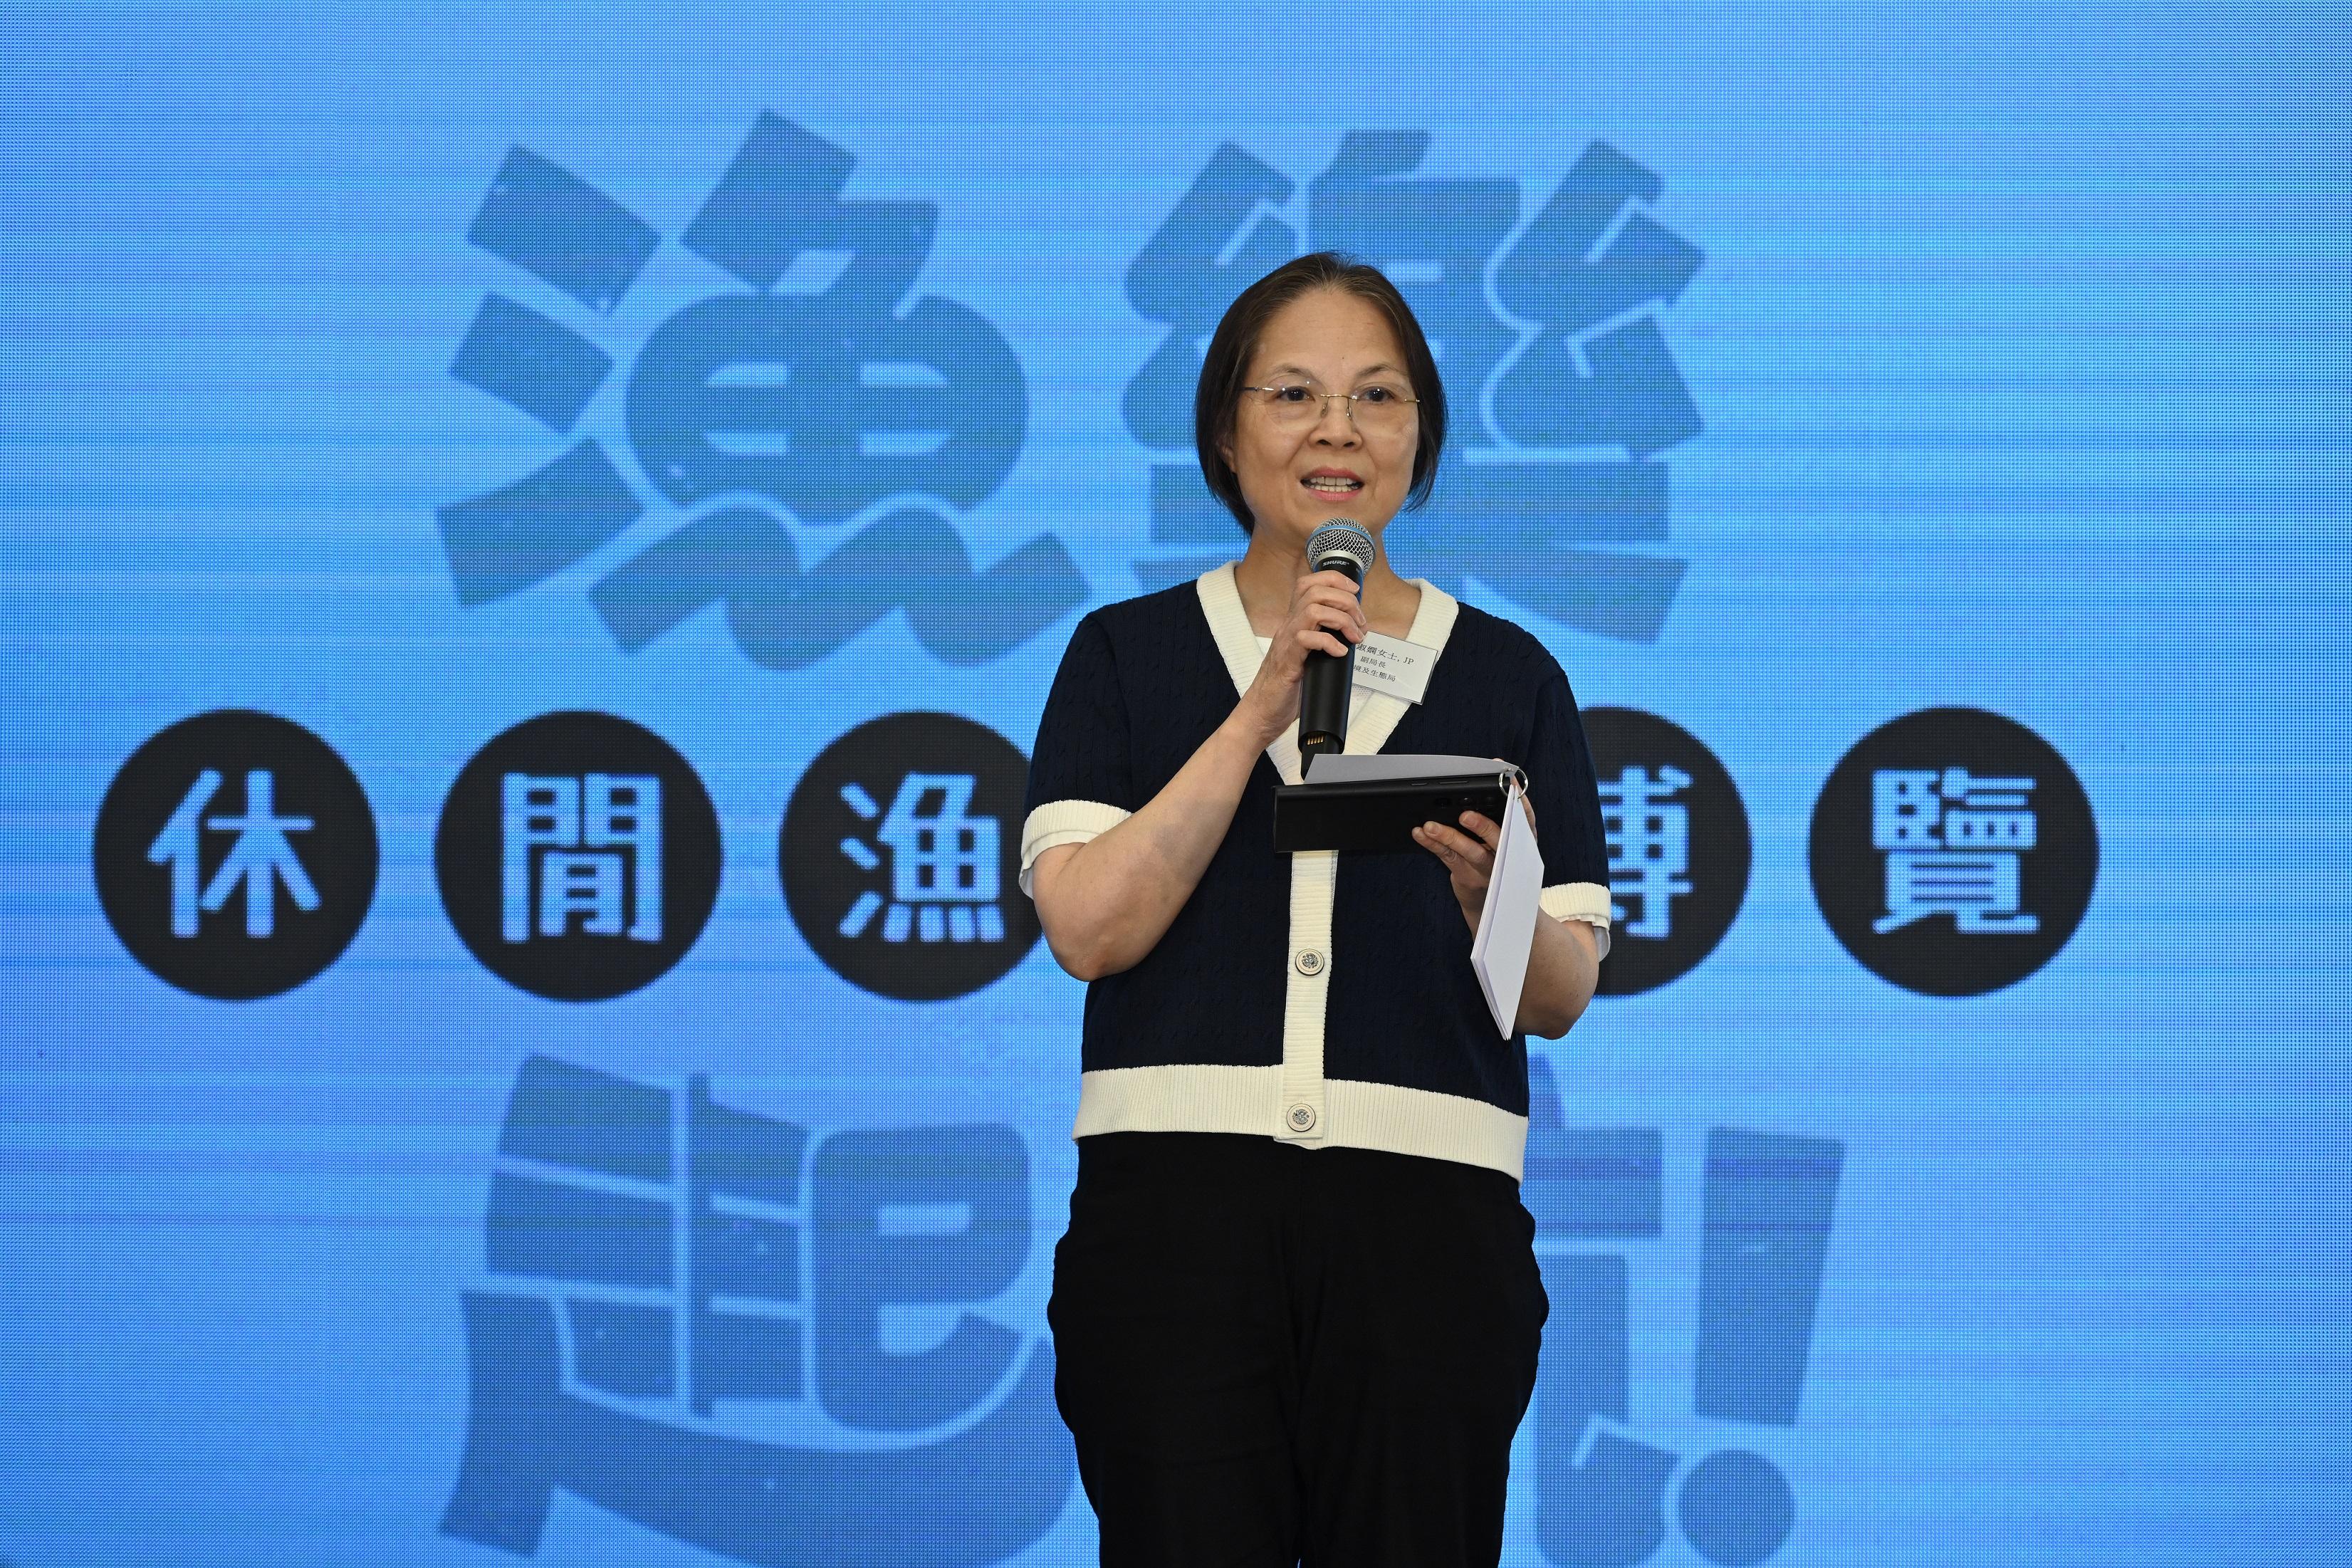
1337, 546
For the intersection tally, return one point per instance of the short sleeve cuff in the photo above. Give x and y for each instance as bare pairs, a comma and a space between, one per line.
1586, 902
1062, 822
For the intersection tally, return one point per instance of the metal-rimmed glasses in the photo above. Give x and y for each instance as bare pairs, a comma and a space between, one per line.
1381, 406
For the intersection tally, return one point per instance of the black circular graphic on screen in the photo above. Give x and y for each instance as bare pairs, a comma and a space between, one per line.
901, 856
1953, 852
1679, 851
578, 856
235, 856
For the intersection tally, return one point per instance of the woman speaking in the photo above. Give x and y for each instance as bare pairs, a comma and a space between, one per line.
1296, 1310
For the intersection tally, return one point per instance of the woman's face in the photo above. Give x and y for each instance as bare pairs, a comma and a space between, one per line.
1297, 474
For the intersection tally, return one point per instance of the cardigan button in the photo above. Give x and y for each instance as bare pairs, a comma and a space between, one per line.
1301, 1118
1309, 963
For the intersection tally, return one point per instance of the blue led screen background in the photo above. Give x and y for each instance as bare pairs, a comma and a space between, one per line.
749, 376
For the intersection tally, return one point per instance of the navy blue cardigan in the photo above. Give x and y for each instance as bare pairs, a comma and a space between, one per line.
1316, 998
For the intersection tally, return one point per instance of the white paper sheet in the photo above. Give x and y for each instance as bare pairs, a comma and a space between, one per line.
1507, 925
1354, 767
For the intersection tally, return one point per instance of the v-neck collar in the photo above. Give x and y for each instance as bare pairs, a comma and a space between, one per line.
1373, 716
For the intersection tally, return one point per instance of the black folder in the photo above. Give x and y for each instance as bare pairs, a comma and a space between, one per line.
1377, 817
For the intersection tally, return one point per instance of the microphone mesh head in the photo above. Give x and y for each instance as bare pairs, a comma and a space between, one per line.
1341, 537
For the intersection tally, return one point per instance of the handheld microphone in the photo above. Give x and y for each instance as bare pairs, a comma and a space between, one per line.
1339, 545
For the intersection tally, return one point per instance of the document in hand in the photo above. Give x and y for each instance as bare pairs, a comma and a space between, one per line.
1384, 767
1369, 805
1507, 925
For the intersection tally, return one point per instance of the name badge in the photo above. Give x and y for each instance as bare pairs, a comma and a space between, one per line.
1394, 666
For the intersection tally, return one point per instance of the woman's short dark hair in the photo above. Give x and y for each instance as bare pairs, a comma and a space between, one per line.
1226, 366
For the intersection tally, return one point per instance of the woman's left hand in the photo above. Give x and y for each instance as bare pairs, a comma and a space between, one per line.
1468, 854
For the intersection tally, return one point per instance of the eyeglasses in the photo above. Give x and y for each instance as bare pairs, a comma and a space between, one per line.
1294, 405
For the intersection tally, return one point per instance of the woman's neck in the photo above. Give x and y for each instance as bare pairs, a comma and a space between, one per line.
1266, 573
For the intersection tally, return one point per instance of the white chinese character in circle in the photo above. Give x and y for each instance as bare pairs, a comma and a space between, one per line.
1649, 847
1953, 847
260, 858
584, 837
944, 882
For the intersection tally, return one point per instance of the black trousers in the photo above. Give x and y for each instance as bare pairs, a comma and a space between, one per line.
1271, 1355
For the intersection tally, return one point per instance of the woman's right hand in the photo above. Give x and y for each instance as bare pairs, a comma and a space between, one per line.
1106, 903
1326, 616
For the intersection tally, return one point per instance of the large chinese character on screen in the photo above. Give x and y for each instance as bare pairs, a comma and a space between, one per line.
1562, 390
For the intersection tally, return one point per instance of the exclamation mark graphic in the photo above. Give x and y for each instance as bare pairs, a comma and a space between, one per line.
1597, 1193
1767, 1208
